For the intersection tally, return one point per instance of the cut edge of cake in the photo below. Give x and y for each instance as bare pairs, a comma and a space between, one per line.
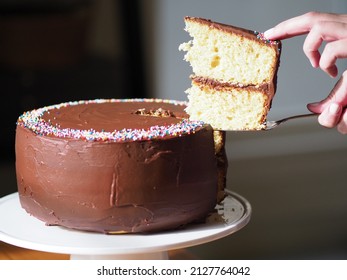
223, 107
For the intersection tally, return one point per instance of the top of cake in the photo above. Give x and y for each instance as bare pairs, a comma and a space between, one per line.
254, 35
111, 120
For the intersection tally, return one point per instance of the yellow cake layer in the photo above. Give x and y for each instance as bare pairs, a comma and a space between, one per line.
228, 57
228, 108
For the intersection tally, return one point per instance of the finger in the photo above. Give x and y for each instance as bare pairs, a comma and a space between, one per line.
330, 54
289, 28
300, 25
316, 107
330, 32
330, 116
331, 108
339, 92
342, 126
337, 95
312, 44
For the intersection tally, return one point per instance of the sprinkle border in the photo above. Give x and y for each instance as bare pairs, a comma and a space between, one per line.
32, 120
261, 37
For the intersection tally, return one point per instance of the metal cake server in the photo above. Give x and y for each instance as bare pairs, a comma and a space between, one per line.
273, 124
268, 125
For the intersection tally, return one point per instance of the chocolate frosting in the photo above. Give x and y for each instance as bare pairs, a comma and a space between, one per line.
116, 186
110, 116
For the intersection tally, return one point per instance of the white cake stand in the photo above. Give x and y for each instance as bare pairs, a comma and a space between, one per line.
20, 229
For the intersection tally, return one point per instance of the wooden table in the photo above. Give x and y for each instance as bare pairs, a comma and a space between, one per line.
10, 252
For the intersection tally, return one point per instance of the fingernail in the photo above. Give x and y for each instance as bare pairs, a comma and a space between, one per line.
314, 63
334, 108
268, 33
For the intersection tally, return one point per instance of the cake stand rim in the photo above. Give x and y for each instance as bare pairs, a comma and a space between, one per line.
205, 234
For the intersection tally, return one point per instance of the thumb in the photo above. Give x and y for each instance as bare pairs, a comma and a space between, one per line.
330, 113
330, 117
337, 96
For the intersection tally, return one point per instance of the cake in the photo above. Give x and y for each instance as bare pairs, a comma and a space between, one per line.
234, 74
118, 165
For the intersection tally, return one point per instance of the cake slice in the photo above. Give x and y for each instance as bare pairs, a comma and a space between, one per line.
234, 74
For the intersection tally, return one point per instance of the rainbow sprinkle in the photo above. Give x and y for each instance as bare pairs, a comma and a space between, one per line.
33, 120
261, 37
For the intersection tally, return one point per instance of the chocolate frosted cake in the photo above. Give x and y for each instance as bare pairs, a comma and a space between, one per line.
234, 74
117, 166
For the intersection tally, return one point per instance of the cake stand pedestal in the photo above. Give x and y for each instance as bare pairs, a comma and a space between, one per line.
20, 229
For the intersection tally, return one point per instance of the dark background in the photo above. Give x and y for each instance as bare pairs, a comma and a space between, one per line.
46, 58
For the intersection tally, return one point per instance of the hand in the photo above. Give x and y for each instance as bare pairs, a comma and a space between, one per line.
332, 29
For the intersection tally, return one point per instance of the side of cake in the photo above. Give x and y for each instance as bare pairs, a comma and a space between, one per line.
116, 166
234, 74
